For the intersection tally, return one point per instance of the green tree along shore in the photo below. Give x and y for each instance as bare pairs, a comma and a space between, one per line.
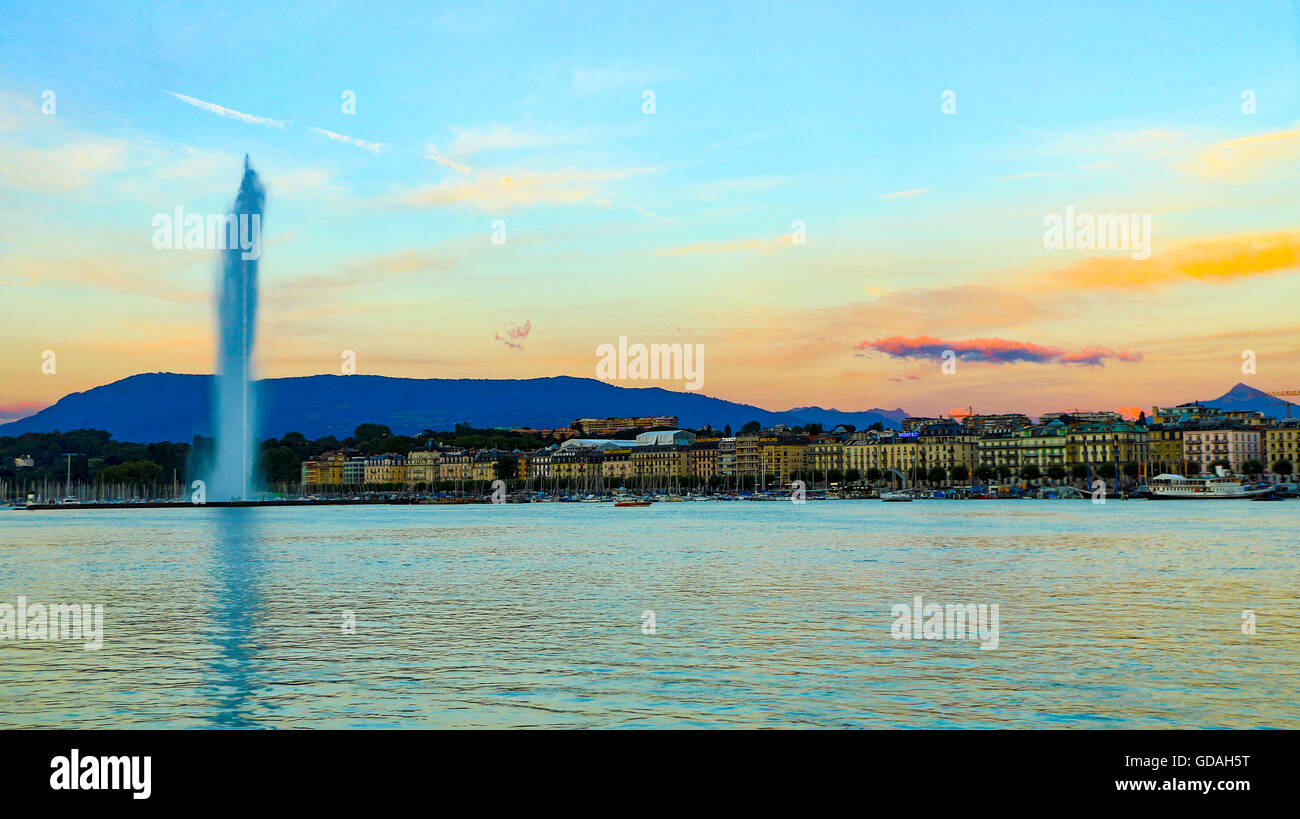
91, 456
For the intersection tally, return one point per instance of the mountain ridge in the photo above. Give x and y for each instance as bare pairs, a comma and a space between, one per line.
176, 406
149, 407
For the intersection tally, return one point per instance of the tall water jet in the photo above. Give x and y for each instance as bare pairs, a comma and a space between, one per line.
234, 404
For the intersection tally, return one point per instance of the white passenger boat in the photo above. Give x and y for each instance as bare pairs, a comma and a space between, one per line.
1169, 486
895, 497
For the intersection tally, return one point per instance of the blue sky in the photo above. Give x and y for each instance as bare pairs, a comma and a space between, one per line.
828, 114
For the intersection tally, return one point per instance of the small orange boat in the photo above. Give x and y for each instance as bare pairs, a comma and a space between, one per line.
632, 503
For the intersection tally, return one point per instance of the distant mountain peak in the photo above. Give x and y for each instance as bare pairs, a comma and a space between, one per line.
1243, 396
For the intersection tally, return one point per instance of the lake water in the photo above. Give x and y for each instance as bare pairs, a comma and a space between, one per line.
765, 614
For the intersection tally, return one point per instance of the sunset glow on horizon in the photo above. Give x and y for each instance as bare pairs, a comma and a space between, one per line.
805, 201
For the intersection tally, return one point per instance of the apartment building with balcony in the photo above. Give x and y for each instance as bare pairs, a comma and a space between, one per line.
1095, 444
1282, 443
1208, 441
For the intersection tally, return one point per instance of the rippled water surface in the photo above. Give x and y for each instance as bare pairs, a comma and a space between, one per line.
766, 614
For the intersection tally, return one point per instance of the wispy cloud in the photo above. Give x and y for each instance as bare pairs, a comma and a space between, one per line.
613, 77
223, 111
1249, 157
715, 191
514, 333
767, 245
372, 147
1029, 175
471, 141
432, 152
76, 164
500, 191
905, 194
645, 212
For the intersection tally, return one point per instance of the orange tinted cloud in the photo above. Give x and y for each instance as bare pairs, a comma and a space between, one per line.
1220, 259
494, 190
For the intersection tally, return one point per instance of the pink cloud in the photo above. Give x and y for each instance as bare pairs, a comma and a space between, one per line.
514, 332
993, 351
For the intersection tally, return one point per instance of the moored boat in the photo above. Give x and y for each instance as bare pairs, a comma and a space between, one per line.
1169, 486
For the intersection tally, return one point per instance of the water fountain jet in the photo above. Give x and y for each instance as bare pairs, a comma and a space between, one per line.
234, 405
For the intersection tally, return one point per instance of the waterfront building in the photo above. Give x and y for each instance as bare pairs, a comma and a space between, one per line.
908, 455
1282, 443
1248, 418
597, 443
1165, 449
559, 433
605, 427
539, 464
1205, 442
616, 463
824, 455
575, 466
942, 444
914, 422
995, 449
748, 458
1081, 417
660, 461
990, 424
388, 468
727, 456
483, 467
862, 451
423, 467
674, 437
855, 454
456, 465
783, 456
1042, 445
1183, 413
326, 469
1106, 444
331, 465
354, 470
704, 458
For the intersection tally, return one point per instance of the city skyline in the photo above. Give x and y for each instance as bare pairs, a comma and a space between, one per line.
923, 214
